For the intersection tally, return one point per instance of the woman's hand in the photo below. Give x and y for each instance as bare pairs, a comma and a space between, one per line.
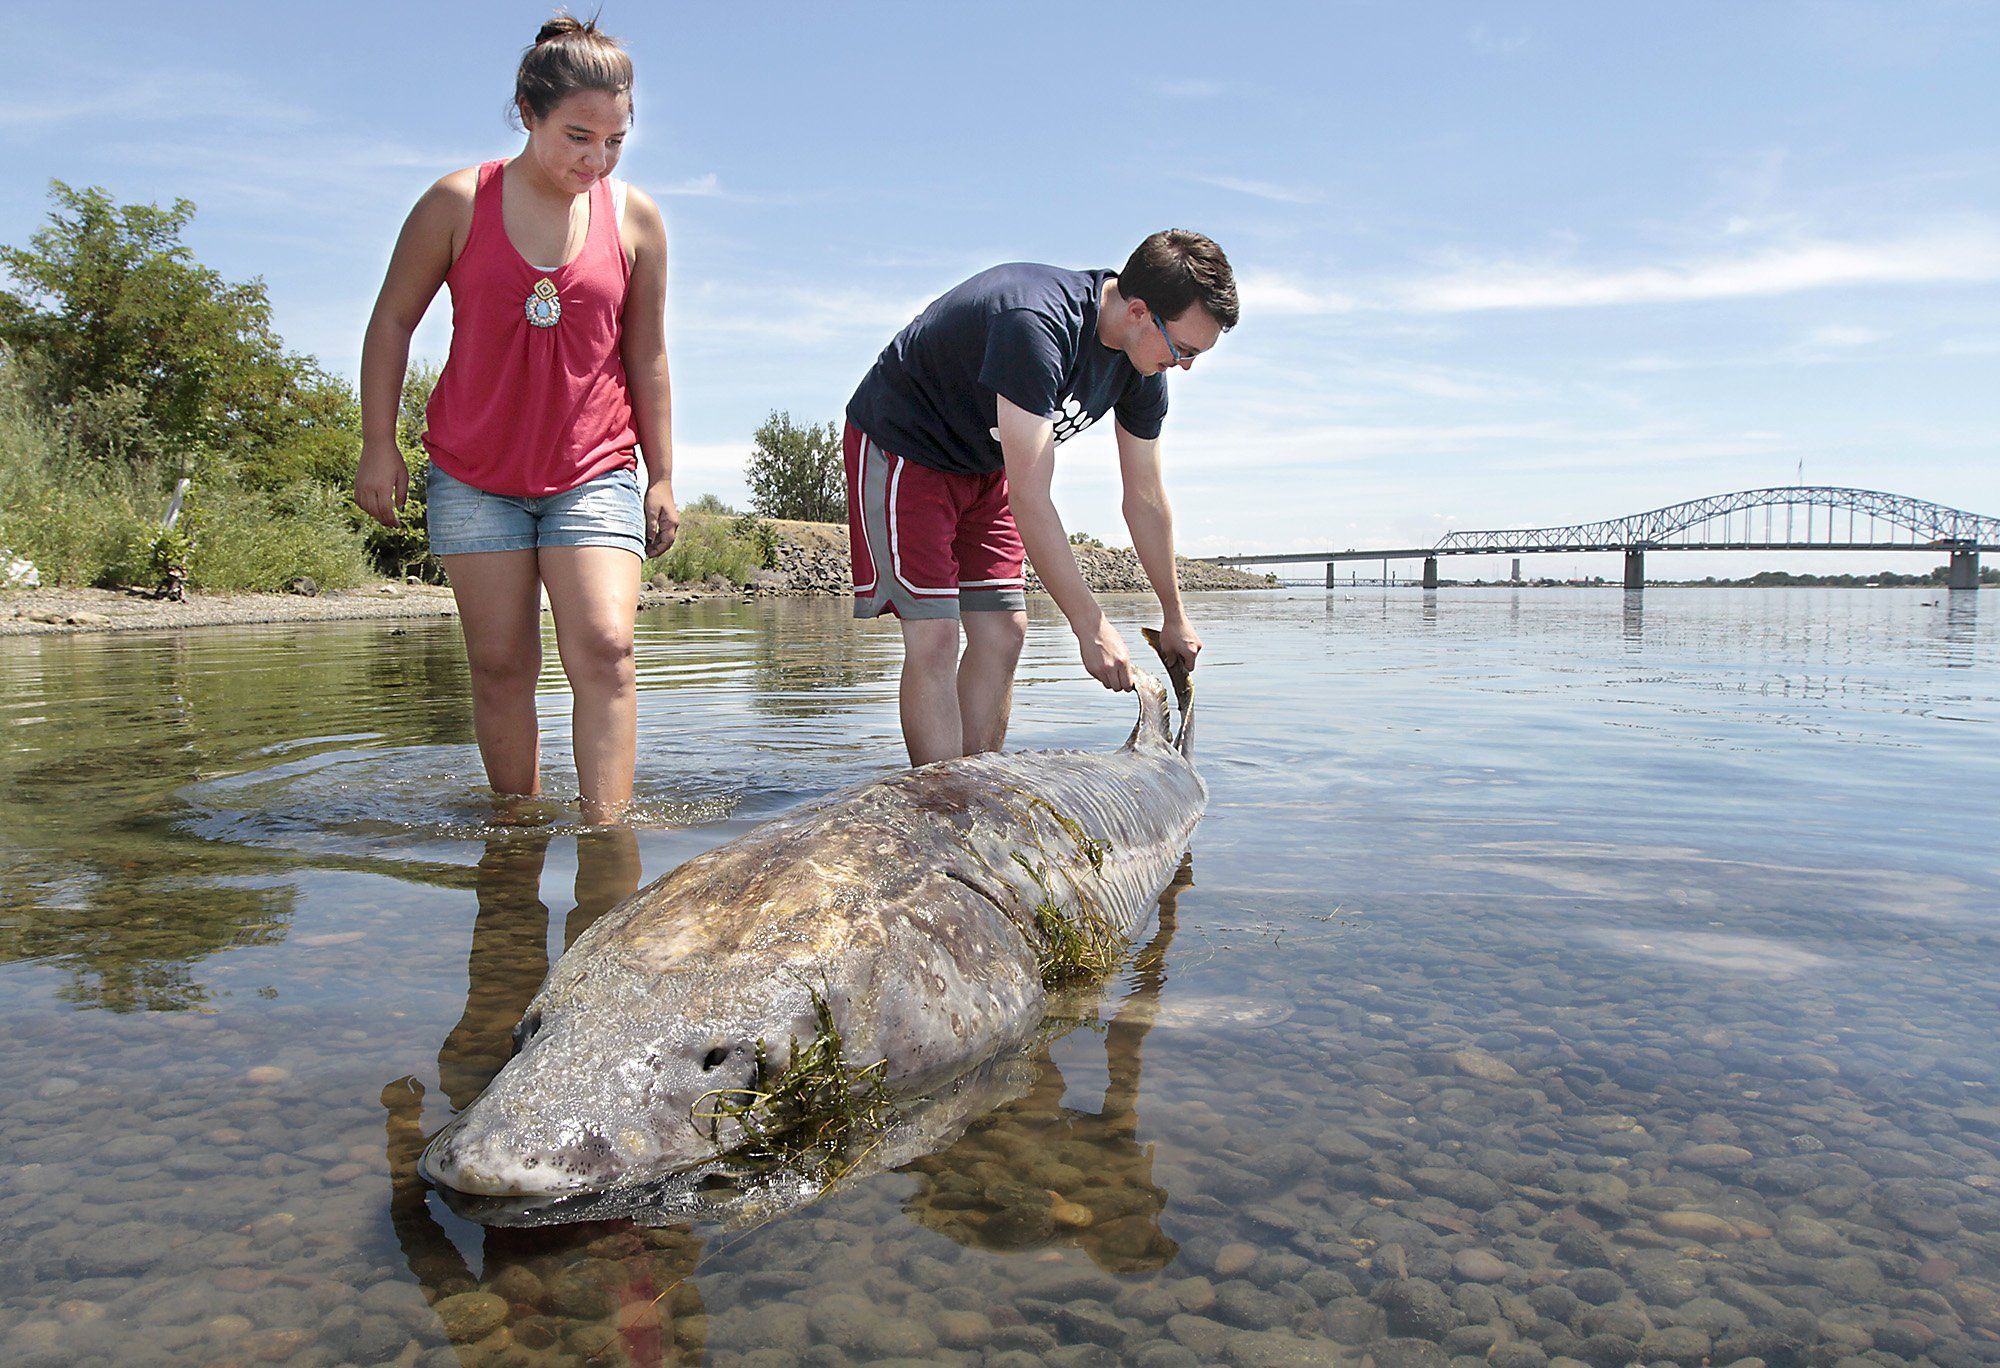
663, 517
382, 481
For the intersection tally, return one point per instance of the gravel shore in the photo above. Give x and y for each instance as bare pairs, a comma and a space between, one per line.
811, 560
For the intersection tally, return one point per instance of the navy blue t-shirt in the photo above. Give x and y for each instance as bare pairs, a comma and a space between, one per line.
1026, 331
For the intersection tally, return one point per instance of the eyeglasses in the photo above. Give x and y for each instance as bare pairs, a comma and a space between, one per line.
1181, 358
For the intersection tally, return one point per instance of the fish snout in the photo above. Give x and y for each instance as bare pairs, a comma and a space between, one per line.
484, 1162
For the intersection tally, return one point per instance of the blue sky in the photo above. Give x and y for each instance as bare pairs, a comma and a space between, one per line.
1502, 265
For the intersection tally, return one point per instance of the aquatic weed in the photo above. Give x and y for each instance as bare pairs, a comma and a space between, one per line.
1078, 946
1075, 945
1093, 848
807, 1113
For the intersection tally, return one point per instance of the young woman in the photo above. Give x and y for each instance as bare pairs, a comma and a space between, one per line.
555, 383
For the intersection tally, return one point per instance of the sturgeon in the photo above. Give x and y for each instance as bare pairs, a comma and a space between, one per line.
917, 915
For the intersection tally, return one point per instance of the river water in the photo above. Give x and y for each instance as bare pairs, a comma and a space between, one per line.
1556, 974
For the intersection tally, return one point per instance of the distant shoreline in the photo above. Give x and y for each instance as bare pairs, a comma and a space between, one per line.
1827, 583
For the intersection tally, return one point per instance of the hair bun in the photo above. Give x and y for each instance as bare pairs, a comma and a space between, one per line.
562, 26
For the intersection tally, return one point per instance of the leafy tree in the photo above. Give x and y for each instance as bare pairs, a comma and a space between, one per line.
796, 472
137, 350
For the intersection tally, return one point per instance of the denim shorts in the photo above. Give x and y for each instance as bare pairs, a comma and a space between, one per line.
606, 511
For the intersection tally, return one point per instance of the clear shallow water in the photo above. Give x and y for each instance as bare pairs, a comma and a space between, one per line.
1559, 975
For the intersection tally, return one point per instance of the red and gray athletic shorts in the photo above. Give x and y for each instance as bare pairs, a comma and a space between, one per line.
929, 543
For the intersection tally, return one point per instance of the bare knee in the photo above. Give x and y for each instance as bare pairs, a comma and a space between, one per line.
598, 660
502, 671
931, 649
998, 637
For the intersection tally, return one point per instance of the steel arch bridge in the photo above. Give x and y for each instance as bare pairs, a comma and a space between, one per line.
1786, 518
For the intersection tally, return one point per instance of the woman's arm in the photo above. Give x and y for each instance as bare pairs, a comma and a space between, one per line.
644, 348
424, 252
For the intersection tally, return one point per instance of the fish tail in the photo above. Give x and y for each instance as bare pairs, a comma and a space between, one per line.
1178, 676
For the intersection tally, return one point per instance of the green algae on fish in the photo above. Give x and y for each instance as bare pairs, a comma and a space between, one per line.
808, 1112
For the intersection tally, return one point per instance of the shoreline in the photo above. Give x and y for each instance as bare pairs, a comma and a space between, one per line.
70, 612
64, 611
811, 562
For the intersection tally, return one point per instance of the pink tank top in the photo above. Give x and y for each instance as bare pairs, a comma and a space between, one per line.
533, 399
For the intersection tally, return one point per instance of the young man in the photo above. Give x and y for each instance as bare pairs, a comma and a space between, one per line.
950, 448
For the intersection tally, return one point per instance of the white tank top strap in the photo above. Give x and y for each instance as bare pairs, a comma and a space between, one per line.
618, 189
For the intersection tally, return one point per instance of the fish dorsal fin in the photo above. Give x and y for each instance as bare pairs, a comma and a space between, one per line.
1183, 684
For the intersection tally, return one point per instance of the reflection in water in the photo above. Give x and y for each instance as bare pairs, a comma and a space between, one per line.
591, 1290
95, 877
129, 934
1961, 629
1634, 625
1036, 1172
803, 669
509, 957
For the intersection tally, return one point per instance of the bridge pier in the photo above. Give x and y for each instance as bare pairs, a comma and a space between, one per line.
1430, 572
1635, 569
1331, 566
1965, 569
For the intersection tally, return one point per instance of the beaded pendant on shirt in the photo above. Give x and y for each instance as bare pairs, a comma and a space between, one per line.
544, 307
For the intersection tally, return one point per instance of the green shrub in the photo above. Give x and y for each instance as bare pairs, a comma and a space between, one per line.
84, 523
252, 540
710, 545
760, 534
83, 520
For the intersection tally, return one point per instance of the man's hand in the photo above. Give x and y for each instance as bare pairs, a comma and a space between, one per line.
381, 481
1105, 657
1178, 643
663, 517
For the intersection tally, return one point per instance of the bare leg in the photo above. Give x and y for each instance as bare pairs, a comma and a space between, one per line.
986, 677
500, 613
594, 591
929, 694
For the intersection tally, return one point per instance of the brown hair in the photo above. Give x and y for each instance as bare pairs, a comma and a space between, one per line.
568, 55
1176, 268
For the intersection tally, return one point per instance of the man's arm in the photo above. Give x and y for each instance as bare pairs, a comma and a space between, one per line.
1151, 521
1028, 442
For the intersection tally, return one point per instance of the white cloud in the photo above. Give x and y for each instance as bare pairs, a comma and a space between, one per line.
1437, 382
1967, 253
695, 187
1264, 292
177, 97
791, 314
1265, 190
1842, 335
1497, 44
711, 468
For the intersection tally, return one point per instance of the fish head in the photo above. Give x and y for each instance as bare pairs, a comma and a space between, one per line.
623, 1087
